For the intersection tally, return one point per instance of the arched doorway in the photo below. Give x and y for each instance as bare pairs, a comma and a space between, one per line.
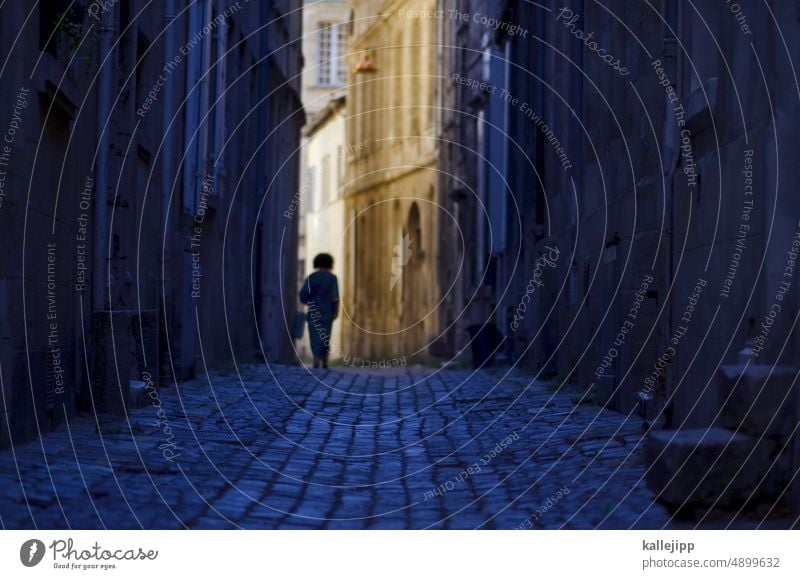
414, 300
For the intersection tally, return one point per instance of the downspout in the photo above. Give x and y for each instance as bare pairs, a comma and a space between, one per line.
196, 86
203, 109
577, 100
503, 265
261, 170
483, 253
219, 99
576, 151
100, 245
166, 119
191, 143
673, 170
167, 168
439, 97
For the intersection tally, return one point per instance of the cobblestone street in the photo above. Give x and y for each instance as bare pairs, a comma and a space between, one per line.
280, 447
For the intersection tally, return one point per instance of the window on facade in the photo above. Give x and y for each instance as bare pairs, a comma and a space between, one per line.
341, 44
332, 49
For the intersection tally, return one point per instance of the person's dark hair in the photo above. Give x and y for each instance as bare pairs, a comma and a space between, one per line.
323, 261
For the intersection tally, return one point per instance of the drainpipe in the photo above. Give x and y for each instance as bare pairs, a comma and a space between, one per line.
100, 245
219, 97
167, 168
261, 171
439, 92
204, 94
577, 102
166, 119
673, 170
196, 105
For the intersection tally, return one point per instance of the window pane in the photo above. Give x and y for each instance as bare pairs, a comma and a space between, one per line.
341, 51
324, 70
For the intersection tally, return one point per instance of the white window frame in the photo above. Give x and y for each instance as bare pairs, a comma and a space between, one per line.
335, 63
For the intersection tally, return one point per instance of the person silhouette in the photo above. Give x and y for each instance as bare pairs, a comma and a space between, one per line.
320, 292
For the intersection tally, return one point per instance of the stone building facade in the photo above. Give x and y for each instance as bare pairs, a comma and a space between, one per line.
584, 206
470, 172
326, 34
143, 197
649, 148
393, 212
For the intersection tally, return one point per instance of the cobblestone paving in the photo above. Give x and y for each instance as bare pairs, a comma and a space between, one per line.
282, 447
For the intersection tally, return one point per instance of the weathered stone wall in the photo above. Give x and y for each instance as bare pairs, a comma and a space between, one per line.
52, 329
392, 111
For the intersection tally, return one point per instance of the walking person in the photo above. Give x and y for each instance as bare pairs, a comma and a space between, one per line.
320, 293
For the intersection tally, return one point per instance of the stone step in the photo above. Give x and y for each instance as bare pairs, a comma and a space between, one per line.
703, 467
759, 399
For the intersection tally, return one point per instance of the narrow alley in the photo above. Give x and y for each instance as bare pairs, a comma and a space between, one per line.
400, 264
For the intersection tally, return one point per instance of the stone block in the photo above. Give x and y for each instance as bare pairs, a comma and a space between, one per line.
701, 467
111, 363
759, 400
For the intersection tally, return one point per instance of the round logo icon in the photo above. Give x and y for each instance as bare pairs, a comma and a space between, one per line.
32, 552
